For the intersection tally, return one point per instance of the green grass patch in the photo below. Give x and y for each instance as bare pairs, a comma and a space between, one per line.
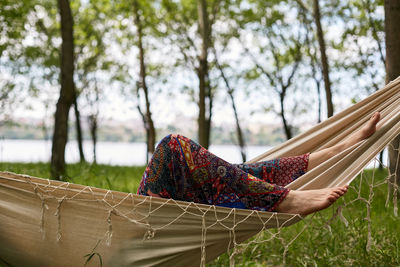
118, 178
335, 243
320, 243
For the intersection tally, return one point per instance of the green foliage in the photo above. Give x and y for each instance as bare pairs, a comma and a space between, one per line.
334, 243
362, 42
13, 16
276, 52
105, 40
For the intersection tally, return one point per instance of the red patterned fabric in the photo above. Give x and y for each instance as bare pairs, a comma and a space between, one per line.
183, 170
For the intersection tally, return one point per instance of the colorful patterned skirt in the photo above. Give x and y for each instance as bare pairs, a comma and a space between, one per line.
183, 170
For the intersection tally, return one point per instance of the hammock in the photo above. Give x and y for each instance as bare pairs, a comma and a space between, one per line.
52, 223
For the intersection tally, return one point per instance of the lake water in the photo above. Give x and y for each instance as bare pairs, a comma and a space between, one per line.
114, 153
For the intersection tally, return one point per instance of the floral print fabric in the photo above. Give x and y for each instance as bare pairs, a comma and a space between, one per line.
183, 170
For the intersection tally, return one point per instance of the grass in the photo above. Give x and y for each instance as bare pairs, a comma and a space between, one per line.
118, 178
335, 243
319, 244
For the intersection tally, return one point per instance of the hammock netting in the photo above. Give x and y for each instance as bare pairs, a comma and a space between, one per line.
52, 223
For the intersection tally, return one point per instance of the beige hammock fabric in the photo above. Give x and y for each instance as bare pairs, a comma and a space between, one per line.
51, 223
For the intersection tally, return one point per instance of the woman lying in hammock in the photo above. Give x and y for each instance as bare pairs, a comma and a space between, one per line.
183, 170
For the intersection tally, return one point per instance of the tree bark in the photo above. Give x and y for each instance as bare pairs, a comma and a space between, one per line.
392, 29
144, 122
239, 132
93, 133
314, 63
149, 124
205, 98
318, 85
93, 122
78, 129
66, 99
324, 58
286, 126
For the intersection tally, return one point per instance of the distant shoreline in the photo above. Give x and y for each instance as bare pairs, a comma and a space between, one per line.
110, 153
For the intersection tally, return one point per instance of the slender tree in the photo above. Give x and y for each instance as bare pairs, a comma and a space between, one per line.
93, 120
78, 129
315, 12
324, 58
67, 92
282, 85
181, 19
311, 53
392, 20
205, 100
242, 144
148, 121
92, 27
276, 53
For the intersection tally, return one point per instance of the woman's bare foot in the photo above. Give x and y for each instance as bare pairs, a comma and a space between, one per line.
366, 131
309, 201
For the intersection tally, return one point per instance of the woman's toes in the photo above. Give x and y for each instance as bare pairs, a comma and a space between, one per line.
342, 191
374, 119
332, 198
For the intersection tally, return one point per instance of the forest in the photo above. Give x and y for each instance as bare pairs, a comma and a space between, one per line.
297, 62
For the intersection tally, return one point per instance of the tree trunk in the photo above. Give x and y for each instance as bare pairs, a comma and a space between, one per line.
149, 124
93, 121
144, 123
392, 29
93, 133
312, 55
324, 59
317, 84
319, 100
286, 126
66, 99
78, 129
381, 160
239, 132
205, 98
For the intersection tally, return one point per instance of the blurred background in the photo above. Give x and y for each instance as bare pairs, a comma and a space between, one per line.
103, 81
